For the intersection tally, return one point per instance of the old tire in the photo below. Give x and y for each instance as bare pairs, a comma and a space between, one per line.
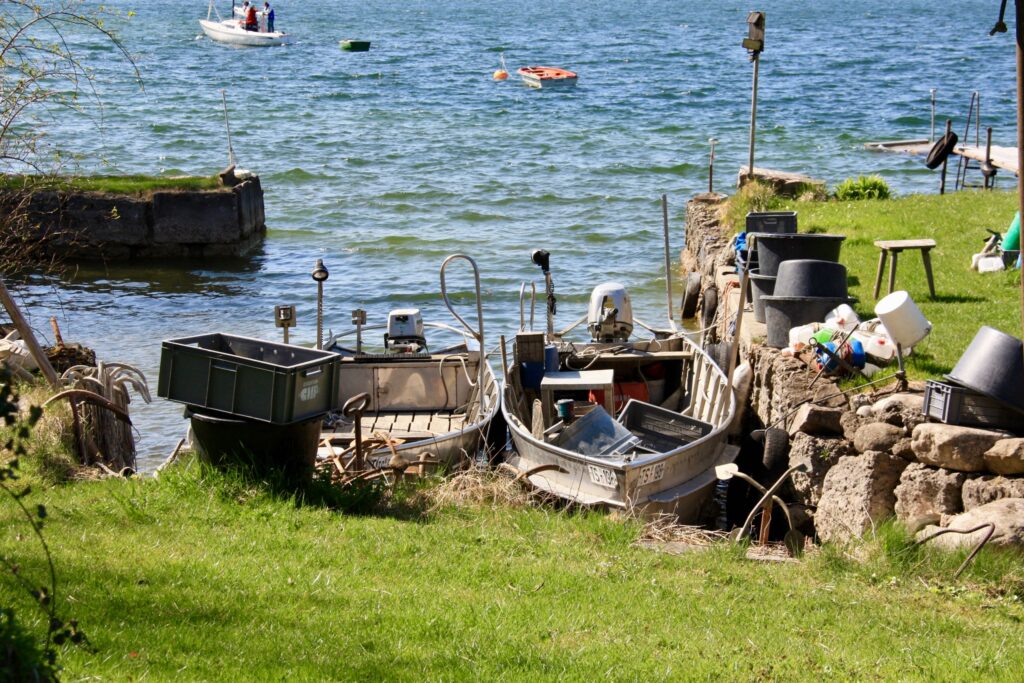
776, 448
942, 148
691, 297
719, 353
708, 307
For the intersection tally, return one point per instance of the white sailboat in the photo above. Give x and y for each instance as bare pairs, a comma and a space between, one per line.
230, 31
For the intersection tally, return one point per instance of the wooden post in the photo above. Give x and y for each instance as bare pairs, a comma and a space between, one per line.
668, 259
711, 166
753, 118
942, 178
28, 337
931, 137
988, 180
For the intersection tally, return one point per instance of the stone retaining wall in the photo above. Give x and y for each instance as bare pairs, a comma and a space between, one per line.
162, 224
867, 457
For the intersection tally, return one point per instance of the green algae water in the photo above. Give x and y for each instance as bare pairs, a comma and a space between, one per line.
384, 162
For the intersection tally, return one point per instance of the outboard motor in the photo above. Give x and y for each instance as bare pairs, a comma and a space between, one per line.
405, 331
610, 315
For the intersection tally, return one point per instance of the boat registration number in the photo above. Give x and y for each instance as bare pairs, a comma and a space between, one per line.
602, 477
379, 462
651, 474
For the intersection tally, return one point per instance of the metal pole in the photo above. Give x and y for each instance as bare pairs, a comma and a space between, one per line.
931, 136
988, 157
1018, 5
753, 117
227, 126
711, 166
285, 334
942, 178
668, 258
319, 314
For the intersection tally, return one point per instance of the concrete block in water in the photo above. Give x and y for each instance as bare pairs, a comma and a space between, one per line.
195, 218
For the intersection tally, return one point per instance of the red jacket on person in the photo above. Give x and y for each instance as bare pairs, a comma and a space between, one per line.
250, 17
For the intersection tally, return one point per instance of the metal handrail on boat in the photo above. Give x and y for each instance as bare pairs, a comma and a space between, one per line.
477, 334
533, 305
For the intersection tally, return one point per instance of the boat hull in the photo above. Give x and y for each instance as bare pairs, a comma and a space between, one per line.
675, 482
547, 77
230, 33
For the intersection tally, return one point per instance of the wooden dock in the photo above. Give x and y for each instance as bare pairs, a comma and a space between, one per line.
1001, 157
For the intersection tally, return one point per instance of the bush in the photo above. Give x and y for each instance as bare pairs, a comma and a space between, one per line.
754, 196
863, 187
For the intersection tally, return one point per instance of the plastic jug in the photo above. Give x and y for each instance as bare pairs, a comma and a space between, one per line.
799, 337
842, 317
877, 346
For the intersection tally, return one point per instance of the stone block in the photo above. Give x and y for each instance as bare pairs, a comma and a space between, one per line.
104, 219
195, 217
815, 419
1006, 457
978, 491
858, 492
953, 447
877, 436
817, 455
925, 494
1006, 514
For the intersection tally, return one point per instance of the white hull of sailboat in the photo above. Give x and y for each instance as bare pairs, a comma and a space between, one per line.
231, 33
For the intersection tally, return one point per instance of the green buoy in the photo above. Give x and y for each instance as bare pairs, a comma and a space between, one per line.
355, 45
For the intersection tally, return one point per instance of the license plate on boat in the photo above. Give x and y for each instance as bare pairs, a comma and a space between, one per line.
602, 477
651, 474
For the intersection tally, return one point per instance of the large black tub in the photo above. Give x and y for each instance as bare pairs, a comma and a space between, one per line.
285, 453
774, 249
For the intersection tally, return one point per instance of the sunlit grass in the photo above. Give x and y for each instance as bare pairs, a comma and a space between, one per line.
113, 184
200, 576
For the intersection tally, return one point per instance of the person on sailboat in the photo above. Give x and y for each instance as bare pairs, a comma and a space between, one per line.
268, 12
251, 24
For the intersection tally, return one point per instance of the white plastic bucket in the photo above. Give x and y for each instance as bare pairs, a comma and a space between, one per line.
902, 318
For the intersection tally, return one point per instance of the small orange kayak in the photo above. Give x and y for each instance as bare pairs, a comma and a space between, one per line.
546, 76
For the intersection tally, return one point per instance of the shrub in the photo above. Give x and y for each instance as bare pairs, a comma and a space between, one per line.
754, 196
862, 187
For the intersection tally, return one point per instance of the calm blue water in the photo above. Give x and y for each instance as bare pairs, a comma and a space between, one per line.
382, 163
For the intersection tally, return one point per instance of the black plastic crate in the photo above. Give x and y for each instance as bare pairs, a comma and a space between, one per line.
660, 429
251, 378
775, 222
957, 405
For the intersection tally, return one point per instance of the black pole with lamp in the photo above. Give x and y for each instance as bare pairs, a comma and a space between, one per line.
320, 276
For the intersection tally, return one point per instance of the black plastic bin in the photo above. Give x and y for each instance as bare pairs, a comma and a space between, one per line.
251, 378
771, 221
285, 453
960, 406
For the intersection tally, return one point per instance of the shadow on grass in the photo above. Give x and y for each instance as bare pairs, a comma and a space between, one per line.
955, 299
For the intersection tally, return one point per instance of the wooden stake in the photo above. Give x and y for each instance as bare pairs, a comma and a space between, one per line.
28, 337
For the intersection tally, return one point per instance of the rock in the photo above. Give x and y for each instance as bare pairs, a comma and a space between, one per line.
858, 401
901, 402
1006, 457
858, 492
851, 422
817, 455
925, 494
904, 448
865, 411
877, 436
228, 177
953, 447
979, 491
814, 419
1006, 514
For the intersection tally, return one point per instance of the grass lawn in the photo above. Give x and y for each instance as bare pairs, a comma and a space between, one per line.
965, 300
202, 577
112, 184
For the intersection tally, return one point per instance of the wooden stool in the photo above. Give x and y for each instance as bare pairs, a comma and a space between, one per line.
578, 380
895, 247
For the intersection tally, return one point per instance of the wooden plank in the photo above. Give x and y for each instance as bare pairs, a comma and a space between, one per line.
1001, 157
905, 244
29, 337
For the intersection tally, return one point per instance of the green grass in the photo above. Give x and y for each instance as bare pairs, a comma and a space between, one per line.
200, 576
965, 299
112, 184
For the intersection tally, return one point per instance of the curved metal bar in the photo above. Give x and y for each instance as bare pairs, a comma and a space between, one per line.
771, 490
757, 485
987, 525
479, 333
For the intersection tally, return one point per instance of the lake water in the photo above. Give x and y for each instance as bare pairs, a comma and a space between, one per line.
382, 163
